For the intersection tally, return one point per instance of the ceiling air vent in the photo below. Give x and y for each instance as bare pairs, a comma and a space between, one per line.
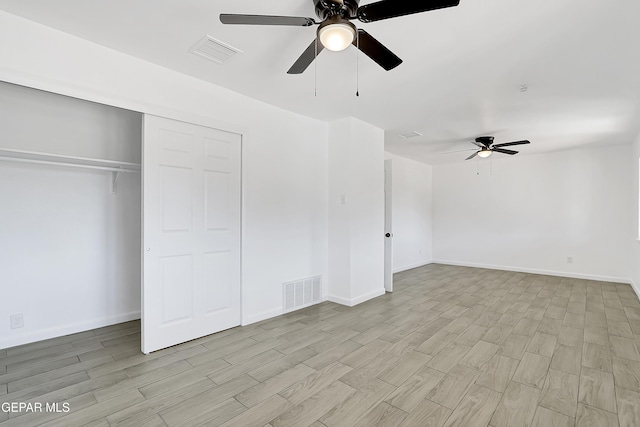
409, 135
214, 50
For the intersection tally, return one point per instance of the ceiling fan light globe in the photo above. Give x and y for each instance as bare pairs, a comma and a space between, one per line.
336, 37
484, 153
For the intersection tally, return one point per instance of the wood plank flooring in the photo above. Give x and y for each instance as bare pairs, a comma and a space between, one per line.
452, 346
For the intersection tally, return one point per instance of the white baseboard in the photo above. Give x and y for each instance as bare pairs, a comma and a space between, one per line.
412, 266
339, 300
259, 317
61, 331
612, 279
367, 297
355, 301
635, 288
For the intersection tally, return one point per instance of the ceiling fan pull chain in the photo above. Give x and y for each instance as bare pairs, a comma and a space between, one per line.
357, 63
315, 70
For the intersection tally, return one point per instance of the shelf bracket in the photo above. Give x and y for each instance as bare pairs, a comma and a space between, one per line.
114, 181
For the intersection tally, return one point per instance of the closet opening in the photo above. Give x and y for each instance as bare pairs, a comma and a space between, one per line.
70, 215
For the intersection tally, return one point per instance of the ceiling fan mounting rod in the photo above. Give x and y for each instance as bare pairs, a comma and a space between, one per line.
346, 9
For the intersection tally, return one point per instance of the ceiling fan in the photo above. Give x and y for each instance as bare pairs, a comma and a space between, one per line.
485, 143
336, 32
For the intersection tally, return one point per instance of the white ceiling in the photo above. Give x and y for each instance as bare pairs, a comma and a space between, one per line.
461, 76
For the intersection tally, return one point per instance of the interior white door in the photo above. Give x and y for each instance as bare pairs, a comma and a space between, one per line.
388, 227
191, 232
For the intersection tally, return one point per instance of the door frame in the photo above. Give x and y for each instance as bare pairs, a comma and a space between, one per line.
388, 225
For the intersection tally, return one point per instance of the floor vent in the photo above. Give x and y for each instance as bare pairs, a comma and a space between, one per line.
214, 50
302, 293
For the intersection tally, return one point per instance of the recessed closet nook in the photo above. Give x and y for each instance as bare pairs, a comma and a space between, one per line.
90, 237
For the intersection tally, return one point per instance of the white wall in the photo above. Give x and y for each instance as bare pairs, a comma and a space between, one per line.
339, 215
634, 253
532, 212
356, 211
366, 200
411, 213
285, 180
70, 252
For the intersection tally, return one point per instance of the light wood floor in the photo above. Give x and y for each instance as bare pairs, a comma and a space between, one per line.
452, 346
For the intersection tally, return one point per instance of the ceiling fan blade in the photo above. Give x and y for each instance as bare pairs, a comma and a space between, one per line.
472, 156
386, 9
478, 144
500, 150
506, 144
293, 21
306, 58
376, 50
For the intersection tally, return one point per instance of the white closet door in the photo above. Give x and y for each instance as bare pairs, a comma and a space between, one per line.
191, 241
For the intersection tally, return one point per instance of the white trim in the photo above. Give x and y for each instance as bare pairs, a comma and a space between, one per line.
355, 301
595, 277
367, 297
412, 266
339, 300
635, 288
56, 332
259, 317
243, 226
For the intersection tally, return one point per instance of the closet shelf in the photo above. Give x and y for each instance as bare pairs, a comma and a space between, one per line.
39, 158
23, 156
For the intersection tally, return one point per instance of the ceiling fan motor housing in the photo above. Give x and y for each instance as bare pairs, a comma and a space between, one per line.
328, 8
485, 140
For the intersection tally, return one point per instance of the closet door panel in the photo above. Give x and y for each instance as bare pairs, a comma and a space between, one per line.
217, 201
192, 202
175, 193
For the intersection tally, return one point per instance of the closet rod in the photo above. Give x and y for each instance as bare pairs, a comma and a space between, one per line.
73, 165
62, 156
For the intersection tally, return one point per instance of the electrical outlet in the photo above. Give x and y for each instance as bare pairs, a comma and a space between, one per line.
17, 321
569, 260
